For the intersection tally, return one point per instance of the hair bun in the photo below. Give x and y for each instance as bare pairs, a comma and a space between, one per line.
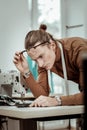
43, 27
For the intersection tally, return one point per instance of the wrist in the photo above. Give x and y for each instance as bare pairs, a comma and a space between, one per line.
26, 74
58, 100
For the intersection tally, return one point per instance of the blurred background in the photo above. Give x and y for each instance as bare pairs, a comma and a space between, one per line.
64, 18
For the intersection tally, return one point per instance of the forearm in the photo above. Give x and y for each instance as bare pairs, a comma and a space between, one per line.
77, 99
35, 87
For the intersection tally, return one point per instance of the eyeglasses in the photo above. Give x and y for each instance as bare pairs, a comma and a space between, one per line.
40, 44
46, 42
23, 51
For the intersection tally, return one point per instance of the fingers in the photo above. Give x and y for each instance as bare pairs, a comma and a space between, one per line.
18, 57
40, 102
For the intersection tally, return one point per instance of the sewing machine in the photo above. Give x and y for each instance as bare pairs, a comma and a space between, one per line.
10, 83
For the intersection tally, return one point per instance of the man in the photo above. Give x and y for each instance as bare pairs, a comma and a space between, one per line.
45, 51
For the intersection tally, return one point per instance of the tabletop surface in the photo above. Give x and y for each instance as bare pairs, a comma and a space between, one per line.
36, 112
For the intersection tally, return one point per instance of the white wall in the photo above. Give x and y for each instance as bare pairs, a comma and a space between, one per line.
14, 24
85, 17
74, 13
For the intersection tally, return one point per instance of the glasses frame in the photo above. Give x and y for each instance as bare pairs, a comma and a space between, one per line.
23, 51
40, 44
34, 47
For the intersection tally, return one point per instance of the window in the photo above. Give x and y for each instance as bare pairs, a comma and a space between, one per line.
46, 12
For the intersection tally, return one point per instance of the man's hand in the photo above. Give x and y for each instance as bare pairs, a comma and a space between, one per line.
20, 62
44, 101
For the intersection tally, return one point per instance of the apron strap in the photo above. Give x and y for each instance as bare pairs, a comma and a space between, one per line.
64, 68
64, 72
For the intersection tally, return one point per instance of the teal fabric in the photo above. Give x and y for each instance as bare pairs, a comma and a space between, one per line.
32, 67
